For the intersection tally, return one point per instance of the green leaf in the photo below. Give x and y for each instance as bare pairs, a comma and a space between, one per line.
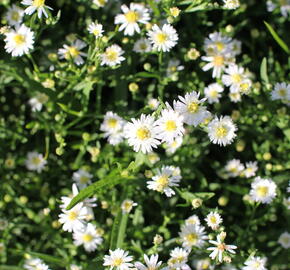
189, 196
122, 230
277, 38
105, 183
10, 267
237, 189
115, 230
69, 111
263, 71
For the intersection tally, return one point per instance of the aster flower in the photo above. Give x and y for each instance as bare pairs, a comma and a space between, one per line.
118, 259
37, 102
255, 263
178, 258
284, 240
142, 45
36, 5
213, 92
88, 237
231, 4
216, 62
222, 130
19, 41
163, 39
174, 145
192, 236
142, 133
234, 77
14, 15
153, 103
127, 205
73, 52
192, 220
131, 18
112, 56
150, 263
173, 67
281, 91
263, 190
234, 168
35, 162
213, 220
82, 178
96, 29
250, 170
190, 107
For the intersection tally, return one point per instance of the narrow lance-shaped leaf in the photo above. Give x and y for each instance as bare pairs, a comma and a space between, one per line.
263, 71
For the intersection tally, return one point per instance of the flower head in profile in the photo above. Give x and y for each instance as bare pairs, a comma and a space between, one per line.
151, 263
190, 107
222, 130
142, 133
131, 18
88, 237
35, 161
37, 101
163, 39
73, 52
14, 15
118, 259
127, 205
164, 180
112, 56
263, 190
220, 248
19, 41
36, 5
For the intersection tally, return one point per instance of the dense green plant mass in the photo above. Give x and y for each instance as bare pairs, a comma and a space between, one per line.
157, 128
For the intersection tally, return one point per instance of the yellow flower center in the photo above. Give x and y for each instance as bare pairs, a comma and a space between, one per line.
170, 125
161, 38
15, 16
244, 87
132, 16
205, 265
262, 191
213, 219
220, 46
192, 107
72, 215
191, 238
127, 206
162, 182
84, 179
111, 55
35, 161
218, 60
221, 132
19, 39
236, 78
73, 52
112, 122
221, 247
213, 93
38, 3
143, 133
87, 238
117, 261
96, 32
282, 92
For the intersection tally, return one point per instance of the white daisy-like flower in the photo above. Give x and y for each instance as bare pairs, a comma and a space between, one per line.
130, 18
192, 220
82, 178
96, 29
163, 39
118, 259
37, 102
220, 248
286, 202
179, 258
174, 145
213, 220
14, 15
234, 168
284, 240
263, 190
164, 180
235, 97
173, 67
192, 236
112, 127
255, 263
74, 219
216, 62
73, 52
234, 77
75, 267
100, 3
203, 264
217, 43
153, 103
142, 133
250, 170
127, 206
112, 56
150, 263
88, 237
35, 264
19, 41
169, 125
281, 91
231, 4
222, 130
213, 92
35, 161
142, 45
190, 107
36, 5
